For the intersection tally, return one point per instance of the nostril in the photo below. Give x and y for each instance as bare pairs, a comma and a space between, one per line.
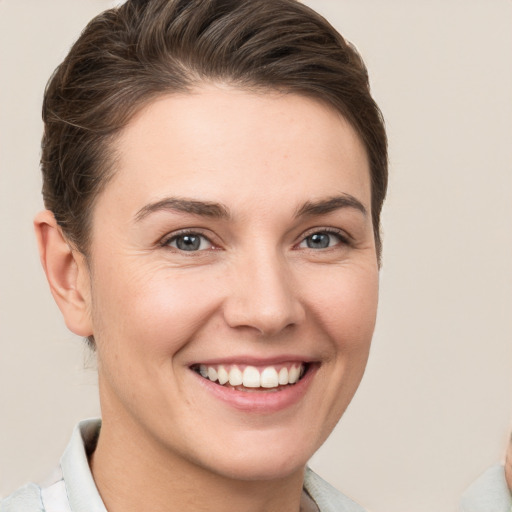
261, 318
263, 295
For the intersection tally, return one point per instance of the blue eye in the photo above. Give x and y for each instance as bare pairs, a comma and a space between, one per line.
189, 242
321, 240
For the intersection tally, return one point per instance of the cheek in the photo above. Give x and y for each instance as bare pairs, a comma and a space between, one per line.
345, 308
152, 311
345, 303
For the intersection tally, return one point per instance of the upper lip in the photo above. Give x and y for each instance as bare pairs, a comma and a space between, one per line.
254, 361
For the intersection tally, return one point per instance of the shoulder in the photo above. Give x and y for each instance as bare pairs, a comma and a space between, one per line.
327, 498
489, 493
73, 475
25, 499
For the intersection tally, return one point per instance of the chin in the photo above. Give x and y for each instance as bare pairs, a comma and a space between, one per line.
262, 455
263, 466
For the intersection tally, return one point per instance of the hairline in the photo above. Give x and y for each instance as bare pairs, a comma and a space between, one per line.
110, 155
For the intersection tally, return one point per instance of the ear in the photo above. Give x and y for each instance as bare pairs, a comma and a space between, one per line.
67, 273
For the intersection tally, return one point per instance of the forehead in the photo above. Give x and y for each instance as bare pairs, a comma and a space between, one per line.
236, 146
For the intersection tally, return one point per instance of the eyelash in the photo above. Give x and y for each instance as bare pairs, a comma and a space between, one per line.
166, 241
343, 239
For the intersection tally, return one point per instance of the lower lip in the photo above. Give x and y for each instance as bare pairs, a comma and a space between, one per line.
261, 401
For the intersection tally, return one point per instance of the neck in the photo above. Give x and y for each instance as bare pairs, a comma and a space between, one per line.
135, 476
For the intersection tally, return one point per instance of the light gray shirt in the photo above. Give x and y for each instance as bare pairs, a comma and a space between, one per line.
72, 487
489, 493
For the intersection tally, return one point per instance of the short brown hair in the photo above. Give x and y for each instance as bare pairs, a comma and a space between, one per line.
129, 55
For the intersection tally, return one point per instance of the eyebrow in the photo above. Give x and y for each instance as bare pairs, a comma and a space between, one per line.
219, 211
325, 206
202, 208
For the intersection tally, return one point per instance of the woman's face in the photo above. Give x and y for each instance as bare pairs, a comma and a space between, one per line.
235, 240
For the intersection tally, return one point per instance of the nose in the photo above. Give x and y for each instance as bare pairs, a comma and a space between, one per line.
264, 296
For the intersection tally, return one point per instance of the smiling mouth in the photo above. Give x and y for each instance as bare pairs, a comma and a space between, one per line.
251, 378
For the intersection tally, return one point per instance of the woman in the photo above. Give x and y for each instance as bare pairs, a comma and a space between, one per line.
213, 175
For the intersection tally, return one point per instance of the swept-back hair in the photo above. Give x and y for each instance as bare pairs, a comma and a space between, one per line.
129, 55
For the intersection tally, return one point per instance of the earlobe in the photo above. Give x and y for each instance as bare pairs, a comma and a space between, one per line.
67, 274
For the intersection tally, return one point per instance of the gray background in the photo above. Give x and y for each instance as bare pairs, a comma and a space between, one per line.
434, 408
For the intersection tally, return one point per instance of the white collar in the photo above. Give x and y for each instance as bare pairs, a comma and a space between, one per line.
73, 489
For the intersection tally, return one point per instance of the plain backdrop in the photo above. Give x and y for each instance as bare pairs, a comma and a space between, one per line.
435, 405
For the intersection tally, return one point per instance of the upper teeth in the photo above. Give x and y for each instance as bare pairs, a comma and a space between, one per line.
252, 377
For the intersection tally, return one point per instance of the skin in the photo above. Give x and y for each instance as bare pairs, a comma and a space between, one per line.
508, 465
254, 290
